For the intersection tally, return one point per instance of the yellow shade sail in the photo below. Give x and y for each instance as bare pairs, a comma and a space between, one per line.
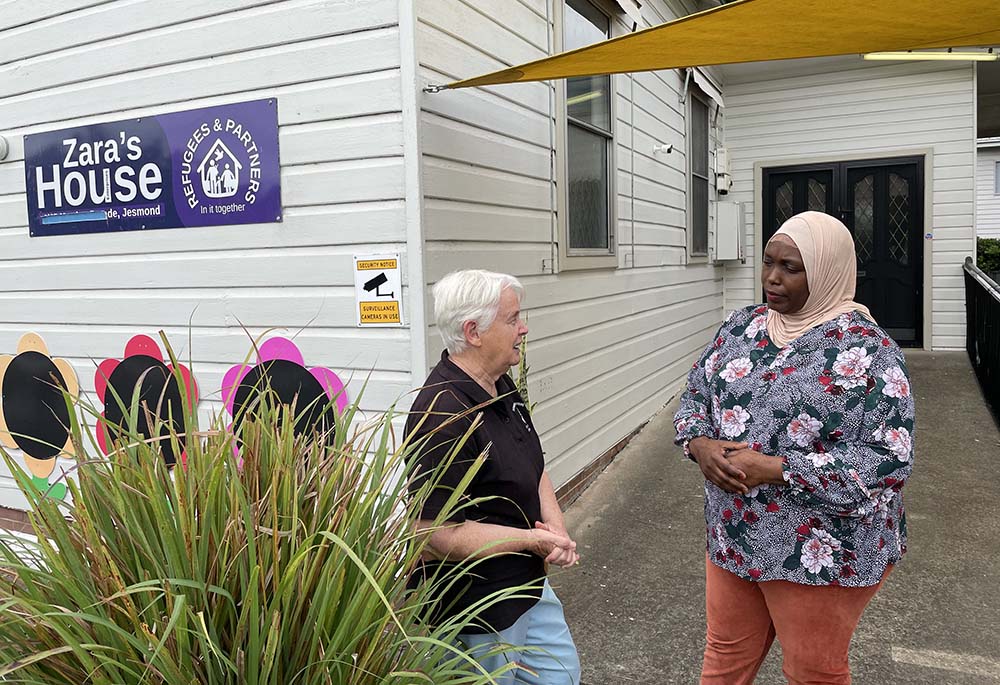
759, 30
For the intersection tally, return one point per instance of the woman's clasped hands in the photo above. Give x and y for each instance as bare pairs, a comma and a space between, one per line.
733, 466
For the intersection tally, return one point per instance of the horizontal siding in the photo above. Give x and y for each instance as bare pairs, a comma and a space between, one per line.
607, 348
335, 71
582, 421
63, 28
235, 31
855, 110
987, 198
233, 76
17, 14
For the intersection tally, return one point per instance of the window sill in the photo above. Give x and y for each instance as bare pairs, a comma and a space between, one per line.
582, 262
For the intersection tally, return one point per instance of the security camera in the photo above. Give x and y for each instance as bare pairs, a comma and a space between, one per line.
723, 184
665, 148
723, 173
375, 284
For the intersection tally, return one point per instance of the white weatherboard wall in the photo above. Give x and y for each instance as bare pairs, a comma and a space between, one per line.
844, 110
607, 347
987, 198
334, 68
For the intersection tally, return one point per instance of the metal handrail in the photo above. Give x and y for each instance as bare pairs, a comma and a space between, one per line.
982, 339
982, 276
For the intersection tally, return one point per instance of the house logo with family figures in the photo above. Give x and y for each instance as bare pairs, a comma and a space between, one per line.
220, 171
221, 164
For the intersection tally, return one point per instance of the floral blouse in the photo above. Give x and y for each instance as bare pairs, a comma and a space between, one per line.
836, 405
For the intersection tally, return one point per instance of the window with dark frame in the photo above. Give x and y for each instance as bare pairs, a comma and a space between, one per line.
996, 178
699, 186
590, 138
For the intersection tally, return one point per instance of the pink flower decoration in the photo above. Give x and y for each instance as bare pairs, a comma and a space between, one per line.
143, 362
284, 349
281, 362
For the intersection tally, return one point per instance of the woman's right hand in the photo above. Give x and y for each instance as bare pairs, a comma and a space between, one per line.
554, 547
711, 457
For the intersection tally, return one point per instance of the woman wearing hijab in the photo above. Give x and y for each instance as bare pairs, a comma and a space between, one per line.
800, 416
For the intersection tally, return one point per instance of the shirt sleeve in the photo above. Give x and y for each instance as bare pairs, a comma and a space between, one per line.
435, 460
694, 417
855, 478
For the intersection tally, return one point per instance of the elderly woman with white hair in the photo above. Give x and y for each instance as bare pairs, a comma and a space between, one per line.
510, 518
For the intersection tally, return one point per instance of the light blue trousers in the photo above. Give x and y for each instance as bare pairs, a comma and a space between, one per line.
553, 662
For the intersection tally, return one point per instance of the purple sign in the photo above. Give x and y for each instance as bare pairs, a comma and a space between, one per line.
203, 167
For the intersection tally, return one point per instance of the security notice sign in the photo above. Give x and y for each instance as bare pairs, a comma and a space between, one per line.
378, 289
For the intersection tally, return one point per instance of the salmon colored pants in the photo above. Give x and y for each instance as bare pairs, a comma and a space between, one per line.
814, 625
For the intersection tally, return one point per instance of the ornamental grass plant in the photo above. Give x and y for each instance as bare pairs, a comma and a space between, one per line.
286, 562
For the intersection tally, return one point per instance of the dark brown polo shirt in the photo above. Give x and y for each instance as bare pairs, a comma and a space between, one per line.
509, 478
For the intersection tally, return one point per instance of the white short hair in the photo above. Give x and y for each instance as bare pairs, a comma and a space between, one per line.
469, 295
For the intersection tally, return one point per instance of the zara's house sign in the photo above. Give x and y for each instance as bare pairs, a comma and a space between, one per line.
202, 167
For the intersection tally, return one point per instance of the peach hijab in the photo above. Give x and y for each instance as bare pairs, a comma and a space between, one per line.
827, 249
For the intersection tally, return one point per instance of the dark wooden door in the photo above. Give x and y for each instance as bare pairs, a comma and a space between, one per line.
799, 191
881, 202
882, 211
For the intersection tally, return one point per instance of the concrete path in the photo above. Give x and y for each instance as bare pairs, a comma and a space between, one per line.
636, 602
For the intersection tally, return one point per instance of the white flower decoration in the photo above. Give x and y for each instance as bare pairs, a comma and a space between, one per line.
852, 363
782, 357
804, 429
720, 536
711, 365
734, 421
816, 556
756, 325
738, 368
848, 383
899, 441
821, 459
827, 539
896, 384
